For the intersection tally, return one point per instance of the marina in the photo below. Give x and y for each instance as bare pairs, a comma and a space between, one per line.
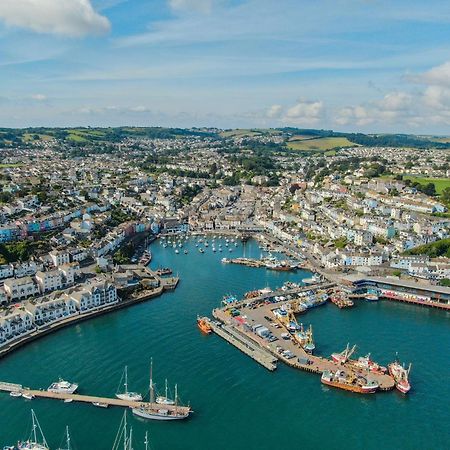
109, 342
152, 408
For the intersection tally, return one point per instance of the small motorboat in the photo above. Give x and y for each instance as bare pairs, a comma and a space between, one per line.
100, 404
28, 396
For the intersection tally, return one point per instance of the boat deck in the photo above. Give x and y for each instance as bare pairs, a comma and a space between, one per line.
10, 387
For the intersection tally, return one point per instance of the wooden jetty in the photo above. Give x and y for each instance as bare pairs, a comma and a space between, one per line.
106, 401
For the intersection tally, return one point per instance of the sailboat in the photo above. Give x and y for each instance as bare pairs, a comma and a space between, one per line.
132, 396
161, 414
67, 438
32, 443
123, 439
165, 400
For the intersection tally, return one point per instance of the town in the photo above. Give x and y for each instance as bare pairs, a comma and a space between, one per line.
73, 213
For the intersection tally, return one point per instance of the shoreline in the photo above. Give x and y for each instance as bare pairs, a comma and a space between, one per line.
38, 333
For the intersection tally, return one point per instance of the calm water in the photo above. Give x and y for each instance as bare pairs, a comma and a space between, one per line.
238, 404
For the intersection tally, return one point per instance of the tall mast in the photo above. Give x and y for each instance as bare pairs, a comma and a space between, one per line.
166, 388
126, 380
176, 397
125, 430
68, 437
146, 440
152, 393
34, 426
130, 440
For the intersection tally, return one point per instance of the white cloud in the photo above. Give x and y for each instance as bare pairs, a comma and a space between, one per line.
39, 97
202, 6
74, 18
274, 111
304, 113
396, 101
439, 76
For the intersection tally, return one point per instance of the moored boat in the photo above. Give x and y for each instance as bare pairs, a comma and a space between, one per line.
343, 356
100, 404
28, 396
364, 362
125, 395
342, 380
63, 387
401, 376
165, 399
36, 440
204, 325
173, 412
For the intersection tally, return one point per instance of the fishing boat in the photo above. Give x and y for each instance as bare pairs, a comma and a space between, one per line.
201, 250
15, 394
36, 439
364, 362
185, 252
132, 396
165, 399
203, 324
172, 413
63, 387
343, 356
400, 375
309, 345
68, 400
177, 251
342, 380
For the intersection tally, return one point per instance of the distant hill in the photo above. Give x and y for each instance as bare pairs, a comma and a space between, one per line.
375, 140
295, 138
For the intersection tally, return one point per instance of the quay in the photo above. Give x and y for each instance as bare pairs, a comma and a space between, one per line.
166, 284
264, 262
257, 312
154, 407
245, 345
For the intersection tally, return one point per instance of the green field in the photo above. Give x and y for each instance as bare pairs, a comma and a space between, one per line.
10, 166
440, 183
321, 144
241, 132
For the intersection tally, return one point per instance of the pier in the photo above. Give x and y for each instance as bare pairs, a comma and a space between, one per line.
154, 407
257, 311
245, 345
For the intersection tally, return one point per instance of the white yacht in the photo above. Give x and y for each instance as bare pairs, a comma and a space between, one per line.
125, 395
63, 387
33, 443
165, 400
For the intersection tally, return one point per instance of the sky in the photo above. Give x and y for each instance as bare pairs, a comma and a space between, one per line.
348, 65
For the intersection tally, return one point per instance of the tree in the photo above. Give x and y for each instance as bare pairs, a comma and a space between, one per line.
429, 189
446, 195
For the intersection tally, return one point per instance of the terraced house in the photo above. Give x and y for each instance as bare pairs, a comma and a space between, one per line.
15, 324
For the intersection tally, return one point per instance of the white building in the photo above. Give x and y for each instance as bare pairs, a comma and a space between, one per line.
59, 257
20, 288
15, 324
50, 280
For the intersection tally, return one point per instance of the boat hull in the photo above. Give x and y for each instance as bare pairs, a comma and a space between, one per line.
349, 387
155, 415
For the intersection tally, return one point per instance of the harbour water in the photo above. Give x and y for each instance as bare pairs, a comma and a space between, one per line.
237, 403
